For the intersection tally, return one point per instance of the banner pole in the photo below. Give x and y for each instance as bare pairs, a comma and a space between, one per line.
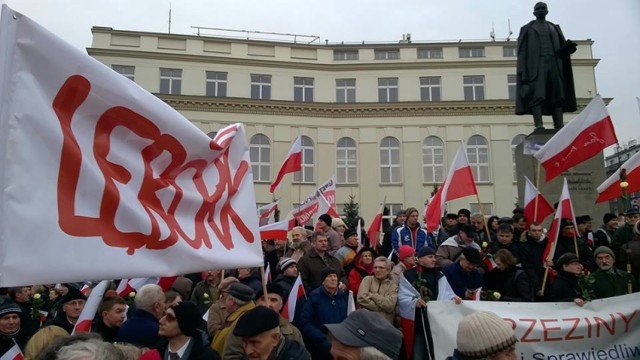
544, 280
264, 284
486, 227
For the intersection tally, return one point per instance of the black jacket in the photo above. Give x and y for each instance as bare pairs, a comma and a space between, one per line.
199, 350
530, 255
564, 288
108, 334
289, 350
512, 284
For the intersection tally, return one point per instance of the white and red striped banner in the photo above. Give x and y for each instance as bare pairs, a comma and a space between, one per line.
90, 308
297, 291
610, 189
13, 353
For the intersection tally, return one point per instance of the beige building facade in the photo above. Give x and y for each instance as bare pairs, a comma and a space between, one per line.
387, 119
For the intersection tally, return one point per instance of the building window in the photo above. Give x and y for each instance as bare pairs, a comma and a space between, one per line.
260, 155
306, 174
389, 54
433, 159
390, 160
471, 52
511, 86
391, 210
478, 154
345, 90
347, 161
430, 53
303, 89
125, 70
430, 88
388, 89
473, 87
509, 51
170, 81
216, 84
515, 142
260, 87
486, 208
343, 55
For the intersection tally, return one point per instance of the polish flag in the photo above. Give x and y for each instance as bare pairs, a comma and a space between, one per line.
374, 229
351, 303
90, 308
531, 195
564, 211
610, 188
581, 139
360, 238
289, 308
325, 207
13, 354
459, 183
407, 298
291, 164
126, 286
476, 295
267, 273
489, 263
266, 213
85, 289
275, 231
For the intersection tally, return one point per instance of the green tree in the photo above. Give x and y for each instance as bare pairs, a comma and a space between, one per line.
351, 211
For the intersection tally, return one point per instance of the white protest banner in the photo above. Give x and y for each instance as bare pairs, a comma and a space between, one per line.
600, 330
102, 180
305, 211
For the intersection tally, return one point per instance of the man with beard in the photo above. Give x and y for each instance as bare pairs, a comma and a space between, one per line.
299, 243
610, 281
112, 312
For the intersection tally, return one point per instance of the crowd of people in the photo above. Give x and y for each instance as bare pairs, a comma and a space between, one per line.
227, 314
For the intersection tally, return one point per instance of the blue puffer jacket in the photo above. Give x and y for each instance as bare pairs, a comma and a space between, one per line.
404, 236
321, 308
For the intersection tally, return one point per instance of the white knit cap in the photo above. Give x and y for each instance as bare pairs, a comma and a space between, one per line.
484, 334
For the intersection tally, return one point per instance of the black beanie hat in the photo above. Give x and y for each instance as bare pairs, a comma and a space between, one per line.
326, 272
608, 217
326, 218
272, 288
73, 294
188, 317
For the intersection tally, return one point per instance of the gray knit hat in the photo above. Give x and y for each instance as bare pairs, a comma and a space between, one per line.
603, 250
483, 334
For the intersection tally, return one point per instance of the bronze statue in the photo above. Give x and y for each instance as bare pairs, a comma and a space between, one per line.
544, 76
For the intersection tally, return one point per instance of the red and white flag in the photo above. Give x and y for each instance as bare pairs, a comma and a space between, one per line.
292, 163
351, 303
476, 295
85, 289
564, 211
325, 207
374, 228
533, 197
297, 291
13, 353
310, 206
90, 308
407, 298
127, 286
610, 189
459, 183
266, 214
136, 189
267, 273
580, 140
489, 263
275, 231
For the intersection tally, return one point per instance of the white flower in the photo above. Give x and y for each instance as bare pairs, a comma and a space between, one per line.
496, 295
206, 296
36, 296
132, 294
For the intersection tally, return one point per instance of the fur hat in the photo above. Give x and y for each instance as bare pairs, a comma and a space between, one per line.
483, 334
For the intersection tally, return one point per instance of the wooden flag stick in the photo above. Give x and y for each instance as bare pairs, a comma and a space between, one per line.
264, 284
544, 280
486, 227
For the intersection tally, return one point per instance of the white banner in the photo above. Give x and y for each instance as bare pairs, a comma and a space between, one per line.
601, 330
102, 180
305, 211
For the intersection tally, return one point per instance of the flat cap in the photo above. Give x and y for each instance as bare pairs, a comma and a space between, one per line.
256, 321
241, 292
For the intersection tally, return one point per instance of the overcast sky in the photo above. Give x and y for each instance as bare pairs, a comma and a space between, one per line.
613, 25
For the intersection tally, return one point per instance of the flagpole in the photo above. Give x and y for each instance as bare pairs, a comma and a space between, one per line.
575, 243
264, 284
544, 280
535, 211
486, 227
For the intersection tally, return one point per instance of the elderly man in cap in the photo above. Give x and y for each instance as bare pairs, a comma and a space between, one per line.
10, 331
565, 287
363, 336
239, 300
450, 249
484, 335
72, 304
624, 234
233, 346
183, 340
608, 280
261, 338
141, 329
324, 224
325, 305
463, 275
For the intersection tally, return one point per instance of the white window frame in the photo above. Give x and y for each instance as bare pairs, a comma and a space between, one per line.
475, 84
390, 148
430, 88
387, 90
216, 81
471, 52
433, 160
345, 91
393, 208
430, 53
477, 147
127, 71
509, 51
386, 54
347, 161
305, 175
345, 55
511, 86
261, 83
172, 78
303, 89
261, 167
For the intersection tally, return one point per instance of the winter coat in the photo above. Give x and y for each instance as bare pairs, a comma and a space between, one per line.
252, 282
611, 283
288, 350
198, 296
197, 350
217, 315
460, 280
623, 235
218, 343
396, 272
61, 321
450, 250
108, 334
286, 282
513, 285
335, 240
566, 245
310, 266
233, 349
387, 245
140, 330
358, 272
321, 308
602, 237
564, 288
379, 296
530, 256
416, 238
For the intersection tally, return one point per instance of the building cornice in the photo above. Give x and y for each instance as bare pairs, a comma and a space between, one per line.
354, 110
337, 66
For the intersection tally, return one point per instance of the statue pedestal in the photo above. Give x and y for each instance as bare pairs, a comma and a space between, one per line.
582, 179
